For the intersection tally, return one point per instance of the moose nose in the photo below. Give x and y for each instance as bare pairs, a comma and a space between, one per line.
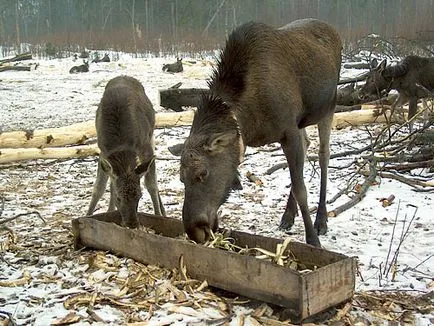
199, 233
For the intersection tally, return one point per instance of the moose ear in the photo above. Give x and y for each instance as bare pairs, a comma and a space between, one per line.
143, 167
105, 165
220, 141
176, 149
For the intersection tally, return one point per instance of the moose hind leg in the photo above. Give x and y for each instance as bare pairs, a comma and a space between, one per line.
290, 213
98, 188
294, 152
324, 130
291, 210
152, 187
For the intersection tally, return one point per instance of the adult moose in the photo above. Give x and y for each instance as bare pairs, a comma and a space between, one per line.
413, 78
125, 123
269, 84
81, 68
174, 67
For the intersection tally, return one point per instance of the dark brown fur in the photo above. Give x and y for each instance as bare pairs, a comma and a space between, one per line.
268, 86
82, 68
125, 123
174, 67
413, 78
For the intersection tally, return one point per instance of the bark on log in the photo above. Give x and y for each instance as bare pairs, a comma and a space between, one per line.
8, 155
19, 57
368, 116
15, 68
78, 133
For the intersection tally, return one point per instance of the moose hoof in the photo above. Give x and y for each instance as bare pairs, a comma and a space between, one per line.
314, 241
320, 227
286, 224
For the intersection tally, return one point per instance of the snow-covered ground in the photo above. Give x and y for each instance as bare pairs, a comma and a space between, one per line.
60, 191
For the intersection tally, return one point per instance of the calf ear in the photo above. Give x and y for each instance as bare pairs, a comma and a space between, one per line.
176, 149
219, 142
143, 167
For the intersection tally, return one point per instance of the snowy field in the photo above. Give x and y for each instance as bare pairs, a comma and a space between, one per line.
60, 191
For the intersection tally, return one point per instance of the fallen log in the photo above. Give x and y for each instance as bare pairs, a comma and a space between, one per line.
78, 133
15, 68
8, 155
18, 57
361, 117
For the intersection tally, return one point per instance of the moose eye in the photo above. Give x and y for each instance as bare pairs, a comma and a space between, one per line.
202, 175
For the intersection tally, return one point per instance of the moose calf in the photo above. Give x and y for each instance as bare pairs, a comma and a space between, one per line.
82, 68
125, 122
412, 77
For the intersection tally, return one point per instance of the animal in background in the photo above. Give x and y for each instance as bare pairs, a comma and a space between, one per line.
105, 58
268, 86
125, 121
413, 78
82, 68
174, 67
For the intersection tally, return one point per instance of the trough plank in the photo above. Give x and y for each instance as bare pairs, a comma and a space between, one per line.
304, 294
241, 274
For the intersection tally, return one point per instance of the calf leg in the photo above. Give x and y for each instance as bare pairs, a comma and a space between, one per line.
112, 202
324, 129
291, 210
412, 109
98, 188
294, 147
152, 187
400, 101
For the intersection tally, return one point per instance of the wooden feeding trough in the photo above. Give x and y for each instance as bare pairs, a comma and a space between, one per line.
305, 294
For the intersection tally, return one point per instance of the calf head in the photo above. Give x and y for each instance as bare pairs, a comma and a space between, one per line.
209, 162
376, 82
125, 172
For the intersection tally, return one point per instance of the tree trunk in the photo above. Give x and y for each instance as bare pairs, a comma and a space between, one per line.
18, 57
17, 23
8, 155
15, 68
77, 133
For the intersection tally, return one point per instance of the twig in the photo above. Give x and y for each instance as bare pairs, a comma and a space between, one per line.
22, 214
11, 321
276, 167
2, 205
404, 235
393, 233
408, 181
359, 196
411, 165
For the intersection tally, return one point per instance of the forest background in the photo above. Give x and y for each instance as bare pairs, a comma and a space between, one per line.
58, 27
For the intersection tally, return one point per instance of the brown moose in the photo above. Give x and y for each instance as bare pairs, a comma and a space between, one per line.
125, 121
413, 78
269, 84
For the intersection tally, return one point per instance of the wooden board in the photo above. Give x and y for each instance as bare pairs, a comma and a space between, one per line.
304, 294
